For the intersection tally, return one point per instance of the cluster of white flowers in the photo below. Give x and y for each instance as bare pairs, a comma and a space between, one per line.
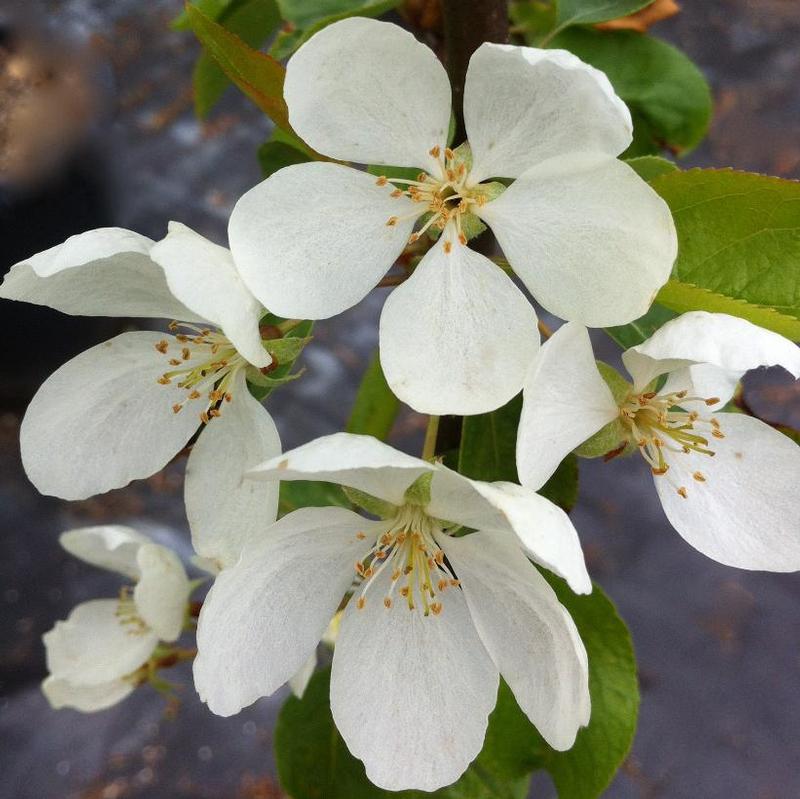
439, 593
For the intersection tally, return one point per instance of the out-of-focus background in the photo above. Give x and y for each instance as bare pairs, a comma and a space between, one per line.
97, 128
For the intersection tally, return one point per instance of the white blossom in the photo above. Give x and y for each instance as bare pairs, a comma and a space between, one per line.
589, 239
95, 657
123, 409
433, 620
726, 481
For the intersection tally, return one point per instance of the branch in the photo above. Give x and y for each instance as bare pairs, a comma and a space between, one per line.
467, 25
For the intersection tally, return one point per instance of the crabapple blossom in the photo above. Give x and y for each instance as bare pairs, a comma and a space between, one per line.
726, 481
588, 238
434, 616
96, 657
124, 408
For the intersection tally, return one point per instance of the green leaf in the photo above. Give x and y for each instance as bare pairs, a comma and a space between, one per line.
257, 74
739, 238
253, 21
585, 771
668, 96
213, 9
585, 12
562, 487
375, 407
682, 297
307, 17
532, 18
636, 332
648, 167
274, 155
314, 762
296, 494
489, 444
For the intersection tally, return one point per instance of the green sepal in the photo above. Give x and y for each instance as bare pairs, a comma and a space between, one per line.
284, 350
419, 492
256, 378
377, 507
613, 436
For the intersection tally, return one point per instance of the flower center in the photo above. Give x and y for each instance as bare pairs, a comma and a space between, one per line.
656, 424
205, 363
408, 549
445, 198
128, 615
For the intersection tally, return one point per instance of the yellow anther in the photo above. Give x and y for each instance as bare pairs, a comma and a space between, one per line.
391, 221
436, 608
717, 433
162, 346
361, 602
382, 181
448, 246
682, 492
462, 238
448, 153
186, 353
164, 380
700, 477
194, 395
177, 407
435, 151
658, 471
712, 401
361, 536
396, 193
387, 602
174, 362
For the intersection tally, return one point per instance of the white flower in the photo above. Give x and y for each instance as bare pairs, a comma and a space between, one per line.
589, 239
433, 620
121, 410
727, 481
93, 657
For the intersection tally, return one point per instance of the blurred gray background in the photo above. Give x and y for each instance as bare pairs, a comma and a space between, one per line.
109, 137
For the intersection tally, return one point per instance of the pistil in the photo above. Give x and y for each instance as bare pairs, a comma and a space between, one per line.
205, 364
419, 572
657, 424
446, 198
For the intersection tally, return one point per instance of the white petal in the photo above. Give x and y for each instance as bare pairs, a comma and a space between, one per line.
264, 616
726, 342
299, 681
745, 514
411, 695
312, 239
528, 633
565, 402
225, 510
109, 546
589, 238
203, 276
702, 380
368, 91
94, 646
523, 105
162, 591
360, 462
104, 272
540, 526
86, 698
102, 420
458, 336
